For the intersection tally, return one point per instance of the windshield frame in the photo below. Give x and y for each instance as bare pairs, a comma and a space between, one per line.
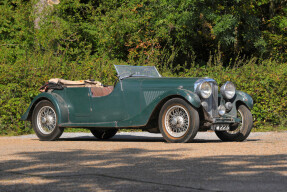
133, 74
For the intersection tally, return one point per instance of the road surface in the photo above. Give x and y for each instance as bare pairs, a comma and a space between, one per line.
143, 162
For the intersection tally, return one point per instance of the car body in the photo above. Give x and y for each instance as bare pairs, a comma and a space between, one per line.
137, 101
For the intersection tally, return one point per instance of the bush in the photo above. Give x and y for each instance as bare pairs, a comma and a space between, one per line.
83, 39
264, 80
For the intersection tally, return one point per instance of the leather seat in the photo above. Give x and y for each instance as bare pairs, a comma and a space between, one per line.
101, 91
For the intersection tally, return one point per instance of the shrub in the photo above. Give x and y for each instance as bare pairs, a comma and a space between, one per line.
83, 39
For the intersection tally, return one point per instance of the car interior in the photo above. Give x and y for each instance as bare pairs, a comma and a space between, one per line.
97, 88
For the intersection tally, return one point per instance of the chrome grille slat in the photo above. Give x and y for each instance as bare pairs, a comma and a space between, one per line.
215, 100
212, 101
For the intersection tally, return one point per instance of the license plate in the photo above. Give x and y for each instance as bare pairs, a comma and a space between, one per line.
221, 127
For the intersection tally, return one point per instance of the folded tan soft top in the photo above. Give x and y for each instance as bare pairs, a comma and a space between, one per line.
80, 83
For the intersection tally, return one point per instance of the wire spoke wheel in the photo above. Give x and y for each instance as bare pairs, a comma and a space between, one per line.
243, 130
240, 125
46, 120
177, 121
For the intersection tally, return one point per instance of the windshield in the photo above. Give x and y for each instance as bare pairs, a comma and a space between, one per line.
136, 71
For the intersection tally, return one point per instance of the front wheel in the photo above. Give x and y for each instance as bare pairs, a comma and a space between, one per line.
104, 134
243, 130
178, 121
45, 121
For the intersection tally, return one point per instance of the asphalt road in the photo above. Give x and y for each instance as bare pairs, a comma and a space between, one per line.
143, 162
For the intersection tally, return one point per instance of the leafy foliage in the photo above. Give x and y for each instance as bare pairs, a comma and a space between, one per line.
82, 39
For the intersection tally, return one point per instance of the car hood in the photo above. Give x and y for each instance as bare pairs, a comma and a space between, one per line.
167, 82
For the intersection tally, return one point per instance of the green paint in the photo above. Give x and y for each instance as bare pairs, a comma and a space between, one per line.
131, 103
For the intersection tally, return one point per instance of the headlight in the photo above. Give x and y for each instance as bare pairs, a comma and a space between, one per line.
228, 90
204, 89
221, 110
228, 106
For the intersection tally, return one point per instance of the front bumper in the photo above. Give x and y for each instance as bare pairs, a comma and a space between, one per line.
220, 120
225, 120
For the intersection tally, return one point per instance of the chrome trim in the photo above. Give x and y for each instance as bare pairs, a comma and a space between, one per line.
215, 101
199, 81
46, 120
135, 75
221, 110
157, 72
212, 101
223, 88
176, 121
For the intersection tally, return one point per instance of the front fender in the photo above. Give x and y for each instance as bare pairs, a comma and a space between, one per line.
245, 98
191, 97
58, 102
153, 102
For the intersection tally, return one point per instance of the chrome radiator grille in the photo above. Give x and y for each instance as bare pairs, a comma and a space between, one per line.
212, 101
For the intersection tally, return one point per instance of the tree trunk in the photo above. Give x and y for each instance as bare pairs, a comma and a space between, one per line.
39, 12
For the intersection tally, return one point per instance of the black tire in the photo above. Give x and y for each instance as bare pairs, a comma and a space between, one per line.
104, 134
48, 130
243, 131
178, 115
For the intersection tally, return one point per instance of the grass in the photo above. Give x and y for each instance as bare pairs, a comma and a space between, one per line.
267, 128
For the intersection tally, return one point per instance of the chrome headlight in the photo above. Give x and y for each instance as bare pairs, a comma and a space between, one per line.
221, 110
228, 90
204, 89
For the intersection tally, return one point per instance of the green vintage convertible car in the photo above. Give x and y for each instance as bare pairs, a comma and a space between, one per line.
175, 107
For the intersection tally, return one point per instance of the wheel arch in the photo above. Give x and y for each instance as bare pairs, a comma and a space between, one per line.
58, 103
239, 102
29, 117
153, 119
245, 99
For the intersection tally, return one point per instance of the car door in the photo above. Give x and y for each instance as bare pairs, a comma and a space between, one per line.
79, 104
109, 108
132, 99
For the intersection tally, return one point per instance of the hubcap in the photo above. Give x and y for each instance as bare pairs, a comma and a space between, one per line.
176, 121
46, 120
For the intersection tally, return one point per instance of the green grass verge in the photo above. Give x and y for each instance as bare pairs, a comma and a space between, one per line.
267, 128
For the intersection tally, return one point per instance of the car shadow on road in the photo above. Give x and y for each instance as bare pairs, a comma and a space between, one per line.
133, 138
140, 169
117, 138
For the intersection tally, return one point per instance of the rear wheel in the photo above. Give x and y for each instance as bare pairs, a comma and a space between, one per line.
104, 133
242, 131
178, 121
45, 121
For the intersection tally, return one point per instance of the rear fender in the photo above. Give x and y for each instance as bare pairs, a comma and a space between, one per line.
56, 100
